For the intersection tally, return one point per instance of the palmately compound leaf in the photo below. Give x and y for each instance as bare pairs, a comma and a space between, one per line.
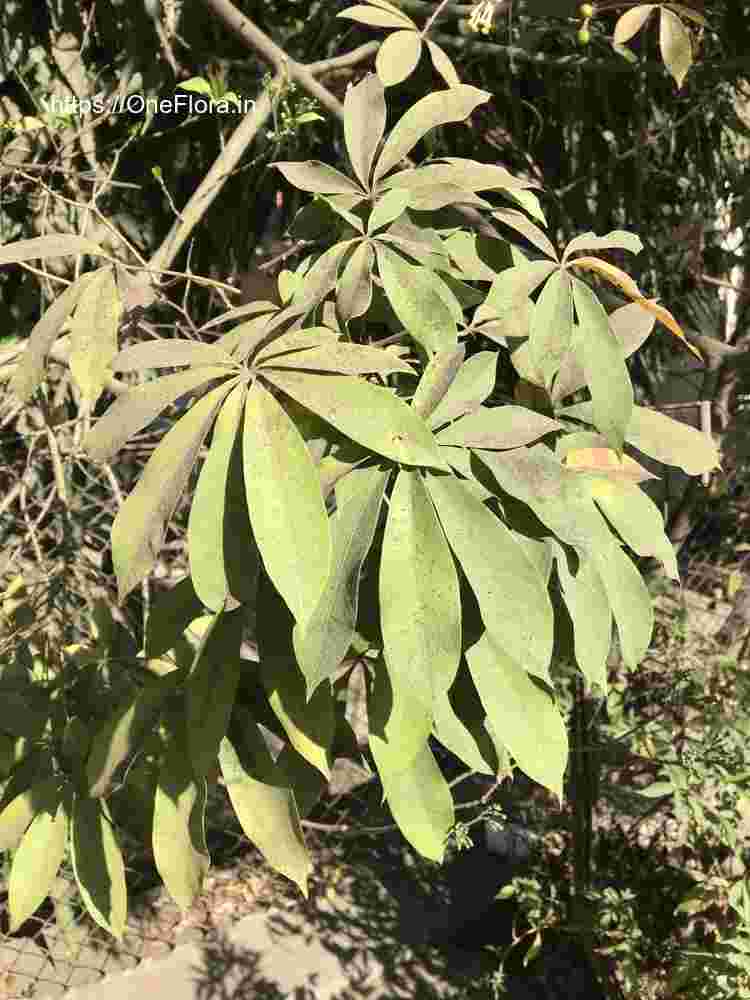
369, 414
436, 109
498, 427
521, 712
322, 642
54, 245
629, 599
420, 606
269, 817
138, 529
221, 547
36, 862
436, 380
178, 838
285, 502
364, 124
98, 865
511, 593
318, 178
354, 292
473, 383
551, 326
169, 354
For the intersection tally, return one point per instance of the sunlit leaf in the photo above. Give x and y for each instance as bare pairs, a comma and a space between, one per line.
473, 383
420, 608
498, 427
605, 462
269, 817
512, 596
603, 362
285, 502
169, 354
522, 711
221, 547
317, 178
30, 371
421, 803
364, 124
98, 865
135, 409
179, 841
631, 22
586, 600
675, 44
442, 64
417, 303
322, 642
436, 380
551, 326
616, 240
371, 415
377, 18
398, 56
629, 599
93, 334
41, 247
140, 524
354, 292
518, 222
435, 109
16, 817
36, 862
662, 438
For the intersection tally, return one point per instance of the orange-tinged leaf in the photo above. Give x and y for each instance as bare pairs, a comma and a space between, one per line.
604, 461
626, 284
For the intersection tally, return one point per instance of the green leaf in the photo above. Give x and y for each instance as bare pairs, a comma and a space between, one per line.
322, 276
318, 178
415, 300
676, 45
512, 596
36, 862
306, 782
387, 208
637, 520
17, 816
285, 502
135, 409
662, 438
507, 301
223, 555
354, 292
98, 865
93, 335
518, 222
178, 840
551, 327
532, 728
398, 724
211, 688
171, 613
41, 247
470, 175
348, 359
309, 725
460, 725
442, 64
630, 601
463, 250
169, 354
30, 371
434, 110
588, 606
398, 56
420, 606
498, 427
138, 528
421, 803
322, 642
473, 383
290, 344
616, 240
377, 18
631, 22
122, 733
371, 415
603, 361
436, 380
364, 124
269, 817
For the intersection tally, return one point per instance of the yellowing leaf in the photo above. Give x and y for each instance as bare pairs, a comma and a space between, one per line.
35, 863
606, 461
630, 288
631, 22
93, 334
676, 45
398, 56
